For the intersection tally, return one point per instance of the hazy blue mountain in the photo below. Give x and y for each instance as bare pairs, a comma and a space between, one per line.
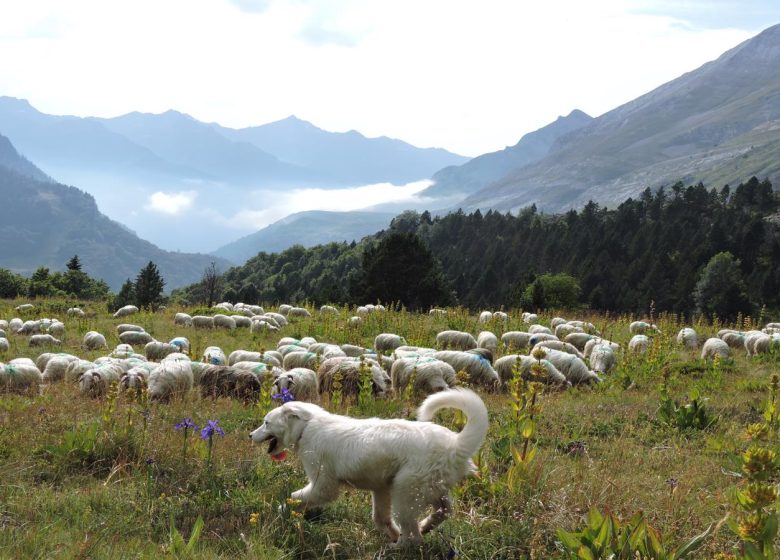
481, 171
719, 123
45, 223
348, 158
12, 160
185, 141
307, 229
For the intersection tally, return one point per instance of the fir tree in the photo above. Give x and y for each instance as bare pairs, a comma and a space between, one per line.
149, 287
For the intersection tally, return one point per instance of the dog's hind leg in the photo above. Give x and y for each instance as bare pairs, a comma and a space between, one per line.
382, 509
442, 512
409, 499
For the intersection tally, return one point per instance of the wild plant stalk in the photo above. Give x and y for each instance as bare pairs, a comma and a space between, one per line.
365, 394
523, 397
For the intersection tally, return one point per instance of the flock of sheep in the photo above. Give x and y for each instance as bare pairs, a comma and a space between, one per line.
572, 352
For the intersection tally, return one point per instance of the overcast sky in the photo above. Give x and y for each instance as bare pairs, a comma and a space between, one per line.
469, 76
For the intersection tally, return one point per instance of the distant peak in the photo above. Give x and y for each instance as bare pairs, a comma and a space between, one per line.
576, 114
293, 120
15, 102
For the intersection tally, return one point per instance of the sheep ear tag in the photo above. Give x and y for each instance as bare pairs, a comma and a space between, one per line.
280, 456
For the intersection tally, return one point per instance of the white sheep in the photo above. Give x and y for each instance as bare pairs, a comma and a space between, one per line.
125, 311
242, 322
75, 312
506, 365
15, 324
122, 351
156, 350
226, 305
215, 356
304, 359
751, 338
95, 382
24, 308
353, 351
557, 321
182, 319
136, 379
135, 337
585, 326
299, 312
687, 337
641, 327
595, 341
733, 339
170, 378
56, 367
44, 340
284, 309
30, 327
362, 311
354, 321
325, 350
773, 325
19, 376
77, 368
430, 375
765, 344
288, 348
559, 345
259, 369
515, 339
277, 318
127, 327
261, 325
350, 371
478, 368
56, 329
602, 358
573, 369
328, 310
500, 316
4, 345
540, 337
202, 322
387, 341
530, 318
638, 344
224, 322
485, 317
181, 343
565, 329
539, 329
456, 339
300, 382
287, 340
487, 340
437, 311
715, 347
412, 352
249, 356
579, 339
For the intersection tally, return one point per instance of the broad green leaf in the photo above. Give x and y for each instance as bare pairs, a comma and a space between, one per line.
693, 544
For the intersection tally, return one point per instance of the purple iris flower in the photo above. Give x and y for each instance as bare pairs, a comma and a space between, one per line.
211, 429
186, 423
284, 396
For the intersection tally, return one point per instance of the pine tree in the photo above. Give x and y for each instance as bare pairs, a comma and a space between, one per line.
74, 263
149, 287
721, 290
126, 296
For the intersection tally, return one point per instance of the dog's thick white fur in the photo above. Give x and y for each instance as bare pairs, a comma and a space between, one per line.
408, 465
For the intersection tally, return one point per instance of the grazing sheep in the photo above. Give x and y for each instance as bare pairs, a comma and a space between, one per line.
485, 317
353, 351
56, 329
500, 316
515, 339
242, 322
595, 341
19, 377
362, 311
56, 367
354, 321
43, 359
530, 318
203, 322
721, 332
95, 382
15, 325
300, 382
304, 359
687, 337
573, 369
565, 329
455, 339
225, 381
259, 369
557, 321
181, 343
641, 327
298, 312
540, 337
224, 322
349, 369
156, 350
30, 327
286, 340
278, 318
539, 329
4, 345
328, 310
326, 350
122, 351
248, 356
77, 368
579, 339
387, 341
284, 309
169, 379
24, 308
288, 348
126, 327
262, 325
437, 311
182, 319
136, 379
430, 375
638, 344
750, 340
559, 345
478, 368
44, 340
585, 326
487, 340
773, 325
135, 337
763, 344
733, 339
602, 358
713, 347
412, 352
215, 356
505, 369
125, 311
226, 305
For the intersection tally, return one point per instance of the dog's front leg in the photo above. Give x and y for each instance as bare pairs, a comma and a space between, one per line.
442, 511
316, 494
382, 506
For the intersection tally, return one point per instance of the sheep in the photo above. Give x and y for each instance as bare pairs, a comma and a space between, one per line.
595, 341
243, 312
500, 316
226, 305
733, 339
585, 326
515, 339
353, 351
126, 327
256, 309
478, 368
43, 359
170, 378
573, 369
505, 367
750, 341
248, 356
284, 309
259, 369
713, 347
56, 367
540, 337
327, 350
135, 337
215, 356
15, 324
412, 352
261, 325
136, 379
202, 322
224, 322
487, 340
640, 327
56, 329
557, 321
157, 350
300, 359
602, 358
687, 337
242, 322
354, 321
455, 339
559, 345
437, 311
286, 340
530, 318
579, 339
24, 308
181, 343
76, 368
387, 341
721, 332
182, 319
539, 329
44, 340
278, 318
362, 311
298, 312
430, 375
765, 344
639, 344
20, 377
300, 382
30, 327
349, 370
288, 348
773, 325
225, 381
125, 311
565, 329
4, 344
328, 310
122, 351
95, 382
485, 317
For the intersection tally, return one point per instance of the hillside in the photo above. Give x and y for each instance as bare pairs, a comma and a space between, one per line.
719, 122
306, 229
481, 171
45, 223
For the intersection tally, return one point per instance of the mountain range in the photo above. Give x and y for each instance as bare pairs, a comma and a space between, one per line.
45, 223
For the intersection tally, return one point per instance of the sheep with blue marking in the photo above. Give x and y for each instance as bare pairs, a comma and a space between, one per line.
215, 356
20, 376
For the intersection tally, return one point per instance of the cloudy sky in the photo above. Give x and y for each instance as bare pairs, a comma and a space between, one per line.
470, 76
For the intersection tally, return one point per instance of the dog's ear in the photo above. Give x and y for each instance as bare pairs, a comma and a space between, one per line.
293, 412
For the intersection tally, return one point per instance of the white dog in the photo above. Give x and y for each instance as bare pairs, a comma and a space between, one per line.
407, 465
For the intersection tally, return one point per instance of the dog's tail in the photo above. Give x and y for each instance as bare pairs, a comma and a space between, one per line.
473, 434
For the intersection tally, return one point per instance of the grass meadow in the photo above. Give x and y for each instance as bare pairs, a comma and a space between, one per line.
112, 478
